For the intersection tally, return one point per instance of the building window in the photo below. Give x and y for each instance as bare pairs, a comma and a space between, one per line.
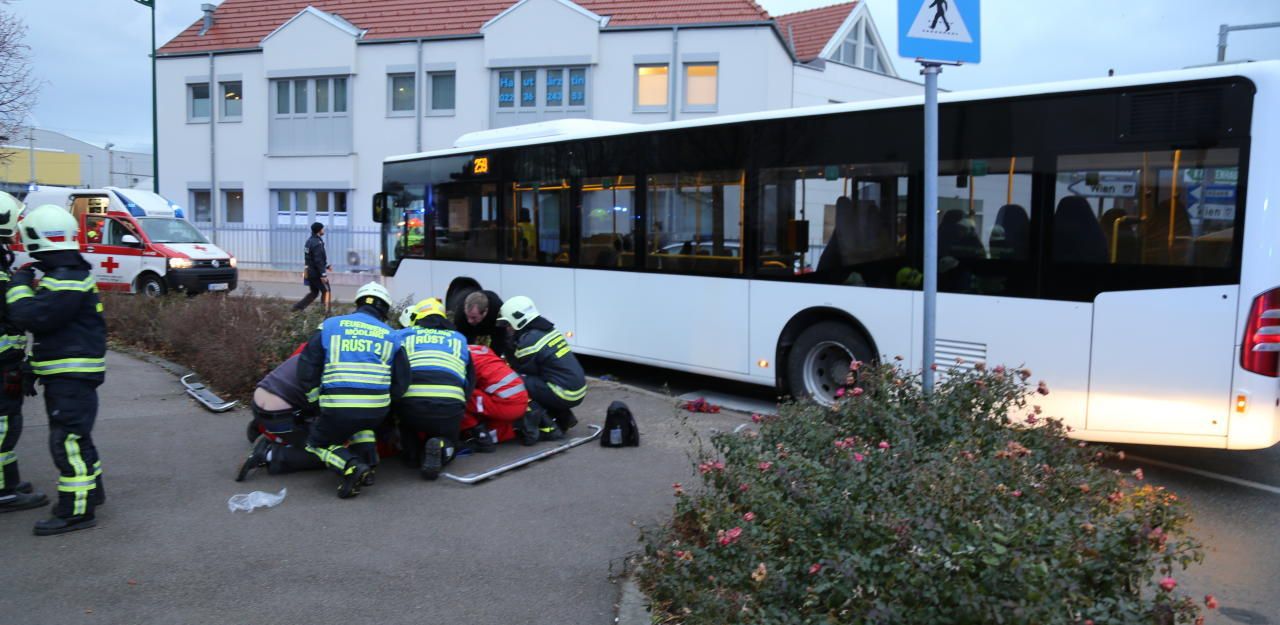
233, 202
506, 89
201, 208
443, 92
310, 117
578, 87
232, 101
300, 97
653, 84
555, 88
701, 86
302, 208
198, 102
400, 96
528, 88
282, 97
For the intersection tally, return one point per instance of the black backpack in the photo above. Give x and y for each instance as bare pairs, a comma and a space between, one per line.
620, 427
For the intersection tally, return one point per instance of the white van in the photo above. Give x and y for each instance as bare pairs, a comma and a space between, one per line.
139, 242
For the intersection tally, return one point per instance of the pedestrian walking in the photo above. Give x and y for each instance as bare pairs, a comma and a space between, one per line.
317, 271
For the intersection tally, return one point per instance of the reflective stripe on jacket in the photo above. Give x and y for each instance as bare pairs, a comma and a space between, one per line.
64, 316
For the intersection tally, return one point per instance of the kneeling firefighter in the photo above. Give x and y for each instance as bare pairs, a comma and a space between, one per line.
441, 377
68, 356
552, 375
282, 412
354, 369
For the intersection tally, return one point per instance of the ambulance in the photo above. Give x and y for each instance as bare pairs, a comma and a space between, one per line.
138, 242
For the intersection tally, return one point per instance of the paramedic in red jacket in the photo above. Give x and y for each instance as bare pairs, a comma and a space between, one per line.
498, 401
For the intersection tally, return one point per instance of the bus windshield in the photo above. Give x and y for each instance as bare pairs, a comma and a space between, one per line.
167, 230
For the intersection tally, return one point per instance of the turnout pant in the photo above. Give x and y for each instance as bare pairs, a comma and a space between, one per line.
10, 431
421, 420
72, 406
551, 397
340, 436
289, 431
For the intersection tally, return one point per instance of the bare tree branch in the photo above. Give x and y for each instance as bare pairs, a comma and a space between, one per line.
17, 88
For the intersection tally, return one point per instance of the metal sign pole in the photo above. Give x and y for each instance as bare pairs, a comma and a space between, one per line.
930, 71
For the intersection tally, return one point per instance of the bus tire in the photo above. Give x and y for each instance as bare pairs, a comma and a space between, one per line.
818, 362
151, 285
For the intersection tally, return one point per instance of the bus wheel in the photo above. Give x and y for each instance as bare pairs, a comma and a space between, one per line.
151, 285
818, 363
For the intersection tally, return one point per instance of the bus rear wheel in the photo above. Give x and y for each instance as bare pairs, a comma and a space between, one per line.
818, 363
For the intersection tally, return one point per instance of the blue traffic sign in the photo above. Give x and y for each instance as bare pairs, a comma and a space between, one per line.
949, 31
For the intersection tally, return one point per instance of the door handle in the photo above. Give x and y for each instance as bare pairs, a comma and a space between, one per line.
88, 248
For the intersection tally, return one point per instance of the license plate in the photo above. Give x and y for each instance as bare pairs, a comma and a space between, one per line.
219, 286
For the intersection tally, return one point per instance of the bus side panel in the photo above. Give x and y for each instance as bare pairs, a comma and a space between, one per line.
444, 272
885, 313
550, 288
694, 321
1050, 338
413, 281
1259, 426
1162, 361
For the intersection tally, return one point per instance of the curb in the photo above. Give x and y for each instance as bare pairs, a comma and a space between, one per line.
633, 606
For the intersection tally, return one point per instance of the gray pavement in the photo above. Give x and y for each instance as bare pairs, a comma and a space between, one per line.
534, 546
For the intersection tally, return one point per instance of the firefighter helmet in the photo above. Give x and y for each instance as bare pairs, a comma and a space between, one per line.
10, 208
421, 310
518, 311
373, 293
49, 228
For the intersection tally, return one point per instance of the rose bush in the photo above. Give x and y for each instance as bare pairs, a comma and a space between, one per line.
892, 507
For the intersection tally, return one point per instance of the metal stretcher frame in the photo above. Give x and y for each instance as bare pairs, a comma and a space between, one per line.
202, 394
476, 478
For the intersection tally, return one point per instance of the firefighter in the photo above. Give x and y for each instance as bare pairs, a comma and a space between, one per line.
555, 381
14, 494
497, 402
354, 370
441, 378
283, 414
68, 357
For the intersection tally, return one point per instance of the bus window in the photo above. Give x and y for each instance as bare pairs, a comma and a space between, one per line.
608, 208
538, 224
836, 224
984, 225
465, 221
1169, 208
695, 222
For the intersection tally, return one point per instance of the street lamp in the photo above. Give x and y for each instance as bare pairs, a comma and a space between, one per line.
155, 124
110, 165
92, 171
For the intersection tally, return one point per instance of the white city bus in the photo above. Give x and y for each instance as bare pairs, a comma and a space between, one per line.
1117, 236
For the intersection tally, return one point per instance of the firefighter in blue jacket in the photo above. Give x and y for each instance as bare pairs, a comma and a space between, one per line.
68, 356
353, 367
14, 494
441, 380
554, 378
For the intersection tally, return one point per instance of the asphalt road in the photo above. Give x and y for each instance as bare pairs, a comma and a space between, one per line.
534, 546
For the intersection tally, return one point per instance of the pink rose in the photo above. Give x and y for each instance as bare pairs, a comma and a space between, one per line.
749, 517
744, 487
1138, 473
817, 566
839, 392
857, 457
1211, 602
1168, 584
679, 488
857, 391
765, 466
756, 418
1016, 493
883, 445
855, 365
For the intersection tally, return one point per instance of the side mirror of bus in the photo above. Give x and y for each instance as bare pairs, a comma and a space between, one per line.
379, 208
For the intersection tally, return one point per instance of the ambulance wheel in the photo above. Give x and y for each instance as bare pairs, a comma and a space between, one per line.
151, 285
818, 362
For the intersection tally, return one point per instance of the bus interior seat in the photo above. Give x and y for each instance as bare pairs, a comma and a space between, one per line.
1011, 234
1077, 235
1156, 248
957, 237
1122, 240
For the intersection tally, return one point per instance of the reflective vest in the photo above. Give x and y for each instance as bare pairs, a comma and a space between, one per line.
357, 367
438, 361
13, 342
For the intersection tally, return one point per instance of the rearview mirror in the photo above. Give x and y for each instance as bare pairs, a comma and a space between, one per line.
129, 239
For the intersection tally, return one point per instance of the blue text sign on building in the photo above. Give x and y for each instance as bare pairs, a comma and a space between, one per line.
940, 30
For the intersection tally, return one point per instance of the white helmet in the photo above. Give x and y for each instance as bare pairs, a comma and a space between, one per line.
518, 311
10, 208
49, 228
372, 293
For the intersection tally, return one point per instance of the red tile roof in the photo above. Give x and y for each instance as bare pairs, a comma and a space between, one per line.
812, 29
243, 23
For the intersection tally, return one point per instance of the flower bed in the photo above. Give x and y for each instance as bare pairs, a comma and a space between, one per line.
897, 508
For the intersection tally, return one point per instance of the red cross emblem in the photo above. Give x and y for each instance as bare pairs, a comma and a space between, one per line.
110, 264
201, 248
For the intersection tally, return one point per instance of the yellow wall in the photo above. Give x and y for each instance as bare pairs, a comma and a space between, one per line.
52, 168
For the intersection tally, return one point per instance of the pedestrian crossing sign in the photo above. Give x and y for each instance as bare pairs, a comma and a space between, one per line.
940, 30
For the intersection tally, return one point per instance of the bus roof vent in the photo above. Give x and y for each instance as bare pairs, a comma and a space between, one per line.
541, 130
1191, 114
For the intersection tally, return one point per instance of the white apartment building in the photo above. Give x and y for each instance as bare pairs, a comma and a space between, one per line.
276, 114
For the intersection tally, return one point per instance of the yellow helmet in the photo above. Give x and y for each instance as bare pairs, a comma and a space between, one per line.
422, 310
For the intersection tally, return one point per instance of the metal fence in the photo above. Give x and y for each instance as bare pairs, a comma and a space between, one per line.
350, 250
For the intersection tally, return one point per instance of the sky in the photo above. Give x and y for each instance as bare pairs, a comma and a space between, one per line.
91, 55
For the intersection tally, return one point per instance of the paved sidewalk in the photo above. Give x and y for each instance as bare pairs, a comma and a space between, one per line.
534, 546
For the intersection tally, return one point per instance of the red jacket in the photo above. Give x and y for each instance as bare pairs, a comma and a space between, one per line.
499, 391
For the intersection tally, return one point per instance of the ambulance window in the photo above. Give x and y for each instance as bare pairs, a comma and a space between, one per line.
116, 232
93, 229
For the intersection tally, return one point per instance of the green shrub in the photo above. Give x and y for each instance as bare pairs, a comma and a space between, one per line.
230, 341
894, 507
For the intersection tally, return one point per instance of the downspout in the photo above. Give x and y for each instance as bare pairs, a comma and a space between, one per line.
419, 109
675, 70
213, 161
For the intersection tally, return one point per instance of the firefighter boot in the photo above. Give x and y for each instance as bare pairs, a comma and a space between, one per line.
433, 457
257, 458
528, 426
480, 439
352, 478
564, 419
59, 525
18, 500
